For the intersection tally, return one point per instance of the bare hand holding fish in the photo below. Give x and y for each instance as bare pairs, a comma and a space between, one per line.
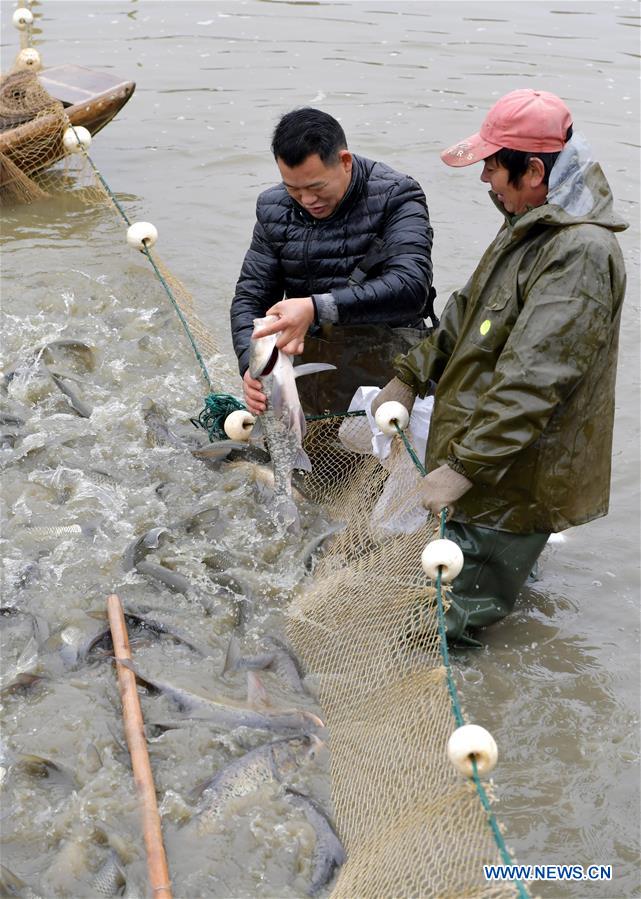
283, 422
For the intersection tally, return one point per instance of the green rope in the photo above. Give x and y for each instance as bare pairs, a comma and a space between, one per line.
147, 253
182, 318
460, 721
217, 405
410, 449
451, 686
212, 418
110, 193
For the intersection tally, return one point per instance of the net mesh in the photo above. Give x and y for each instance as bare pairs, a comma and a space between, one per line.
31, 124
367, 632
34, 163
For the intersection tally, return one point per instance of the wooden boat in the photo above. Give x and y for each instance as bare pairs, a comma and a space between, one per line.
90, 98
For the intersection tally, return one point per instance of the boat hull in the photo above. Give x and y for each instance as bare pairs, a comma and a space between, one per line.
37, 144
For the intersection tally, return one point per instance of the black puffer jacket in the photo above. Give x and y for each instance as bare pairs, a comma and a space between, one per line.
294, 255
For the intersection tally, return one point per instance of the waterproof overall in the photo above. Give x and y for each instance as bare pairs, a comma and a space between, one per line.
524, 362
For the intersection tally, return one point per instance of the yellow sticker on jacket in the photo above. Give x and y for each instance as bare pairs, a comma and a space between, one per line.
485, 327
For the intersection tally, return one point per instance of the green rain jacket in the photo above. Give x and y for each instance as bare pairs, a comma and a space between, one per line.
525, 359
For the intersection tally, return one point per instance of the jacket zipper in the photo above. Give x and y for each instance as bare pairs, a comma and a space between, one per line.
308, 237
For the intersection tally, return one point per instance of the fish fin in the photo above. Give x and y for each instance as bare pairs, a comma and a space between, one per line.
233, 656
312, 368
151, 540
218, 450
302, 460
127, 663
98, 614
28, 656
257, 431
257, 697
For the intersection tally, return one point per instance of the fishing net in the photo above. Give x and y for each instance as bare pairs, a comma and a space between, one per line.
367, 631
34, 163
31, 124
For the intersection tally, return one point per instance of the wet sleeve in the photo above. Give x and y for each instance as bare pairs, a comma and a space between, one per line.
564, 324
259, 286
426, 361
398, 290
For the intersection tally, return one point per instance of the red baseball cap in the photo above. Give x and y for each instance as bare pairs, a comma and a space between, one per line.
529, 120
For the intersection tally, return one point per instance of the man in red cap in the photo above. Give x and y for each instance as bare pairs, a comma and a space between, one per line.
523, 364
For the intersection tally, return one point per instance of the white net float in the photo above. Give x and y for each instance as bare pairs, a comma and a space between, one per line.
28, 59
141, 235
390, 414
76, 138
444, 554
472, 742
238, 425
22, 18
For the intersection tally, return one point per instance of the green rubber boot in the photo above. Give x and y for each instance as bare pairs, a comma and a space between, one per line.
497, 565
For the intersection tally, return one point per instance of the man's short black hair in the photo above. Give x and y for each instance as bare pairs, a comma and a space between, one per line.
304, 132
517, 161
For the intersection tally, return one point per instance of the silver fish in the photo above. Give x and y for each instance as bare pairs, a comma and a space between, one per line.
158, 627
307, 552
260, 474
76, 401
76, 649
138, 548
277, 658
24, 666
74, 646
273, 763
221, 559
202, 520
8, 439
43, 353
102, 477
65, 530
11, 421
76, 351
228, 715
172, 579
217, 450
328, 852
283, 422
44, 769
239, 582
158, 431
21, 682
110, 879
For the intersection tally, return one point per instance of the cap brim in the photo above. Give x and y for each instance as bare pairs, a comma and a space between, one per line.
467, 152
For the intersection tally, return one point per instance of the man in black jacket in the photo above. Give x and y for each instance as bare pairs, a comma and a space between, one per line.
341, 254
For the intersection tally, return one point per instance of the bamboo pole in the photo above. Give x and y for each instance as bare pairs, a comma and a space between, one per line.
134, 731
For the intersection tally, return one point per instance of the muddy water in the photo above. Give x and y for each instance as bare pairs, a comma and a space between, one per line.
558, 683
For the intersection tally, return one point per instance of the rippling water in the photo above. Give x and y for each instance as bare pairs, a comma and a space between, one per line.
557, 683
